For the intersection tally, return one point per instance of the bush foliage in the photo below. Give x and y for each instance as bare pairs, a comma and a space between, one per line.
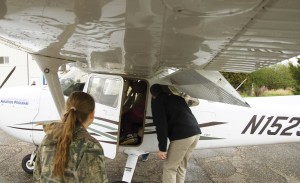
269, 78
275, 77
295, 72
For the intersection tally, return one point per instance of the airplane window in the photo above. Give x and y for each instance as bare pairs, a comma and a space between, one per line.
4, 60
74, 80
96, 88
111, 92
189, 100
105, 90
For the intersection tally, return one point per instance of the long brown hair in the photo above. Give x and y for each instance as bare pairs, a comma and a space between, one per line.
78, 107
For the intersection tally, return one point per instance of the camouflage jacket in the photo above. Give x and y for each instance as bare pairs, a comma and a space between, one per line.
85, 159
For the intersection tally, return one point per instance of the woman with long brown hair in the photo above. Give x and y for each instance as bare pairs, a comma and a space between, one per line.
68, 153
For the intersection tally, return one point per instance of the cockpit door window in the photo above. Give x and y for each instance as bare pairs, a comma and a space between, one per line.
107, 91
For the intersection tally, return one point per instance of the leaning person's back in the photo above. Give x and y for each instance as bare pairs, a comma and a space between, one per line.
181, 120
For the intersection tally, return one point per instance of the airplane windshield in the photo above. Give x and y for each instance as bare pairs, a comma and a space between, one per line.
73, 80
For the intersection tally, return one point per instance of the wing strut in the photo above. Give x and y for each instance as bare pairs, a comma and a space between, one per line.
49, 66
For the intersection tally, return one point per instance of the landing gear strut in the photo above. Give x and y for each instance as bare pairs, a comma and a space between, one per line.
28, 162
131, 163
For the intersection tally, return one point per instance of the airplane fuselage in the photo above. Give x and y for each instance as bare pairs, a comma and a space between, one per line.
222, 125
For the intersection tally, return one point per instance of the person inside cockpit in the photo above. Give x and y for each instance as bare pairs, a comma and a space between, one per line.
133, 118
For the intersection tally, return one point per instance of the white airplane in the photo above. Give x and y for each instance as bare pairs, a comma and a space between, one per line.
180, 44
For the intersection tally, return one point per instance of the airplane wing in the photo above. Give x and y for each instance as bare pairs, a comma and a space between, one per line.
144, 37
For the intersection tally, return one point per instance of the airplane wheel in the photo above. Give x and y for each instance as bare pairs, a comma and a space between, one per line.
27, 167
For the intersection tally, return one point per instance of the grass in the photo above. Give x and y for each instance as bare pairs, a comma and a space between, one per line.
278, 92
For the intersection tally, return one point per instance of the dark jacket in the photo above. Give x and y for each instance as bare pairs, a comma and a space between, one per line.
173, 119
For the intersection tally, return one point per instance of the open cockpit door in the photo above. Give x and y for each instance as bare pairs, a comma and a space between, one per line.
107, 92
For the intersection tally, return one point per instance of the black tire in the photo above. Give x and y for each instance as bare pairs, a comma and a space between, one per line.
25, 164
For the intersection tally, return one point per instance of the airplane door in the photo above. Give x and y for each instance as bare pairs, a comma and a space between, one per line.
107, 92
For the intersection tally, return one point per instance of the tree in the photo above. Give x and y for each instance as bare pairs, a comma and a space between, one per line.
274, 77
295, 72
235, 79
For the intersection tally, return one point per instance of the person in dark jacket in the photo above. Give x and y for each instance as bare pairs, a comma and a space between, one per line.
174, 120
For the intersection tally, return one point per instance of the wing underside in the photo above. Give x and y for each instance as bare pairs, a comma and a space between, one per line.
270, 36
143, 37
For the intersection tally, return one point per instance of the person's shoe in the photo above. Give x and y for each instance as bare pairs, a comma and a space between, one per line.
130, 139
145, 157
